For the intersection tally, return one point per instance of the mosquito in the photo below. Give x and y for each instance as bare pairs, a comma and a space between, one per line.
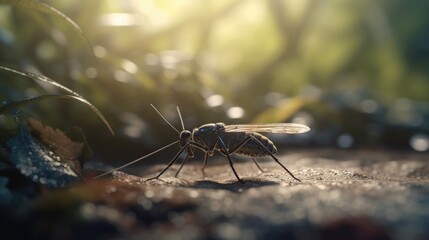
242, 139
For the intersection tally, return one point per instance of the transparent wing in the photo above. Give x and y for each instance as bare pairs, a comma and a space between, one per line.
289, 128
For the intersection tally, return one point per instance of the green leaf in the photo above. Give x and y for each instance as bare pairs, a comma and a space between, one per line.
37, 162
45, 8
16, 104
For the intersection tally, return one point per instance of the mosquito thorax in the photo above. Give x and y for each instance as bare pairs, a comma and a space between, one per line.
220, 126
210, 127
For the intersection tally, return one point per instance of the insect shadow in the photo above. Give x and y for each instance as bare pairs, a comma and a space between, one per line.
231, 186
228, 185
242, 139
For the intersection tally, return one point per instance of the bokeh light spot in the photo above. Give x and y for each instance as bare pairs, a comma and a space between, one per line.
235, 112
345, 141
121, 76
91, 72
129, 66
119, 19
215, 100
100, 51
420, 142
369, 106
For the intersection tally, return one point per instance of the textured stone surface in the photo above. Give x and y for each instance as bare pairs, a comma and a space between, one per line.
378, 194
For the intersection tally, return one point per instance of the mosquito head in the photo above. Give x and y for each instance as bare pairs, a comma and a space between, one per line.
185, 135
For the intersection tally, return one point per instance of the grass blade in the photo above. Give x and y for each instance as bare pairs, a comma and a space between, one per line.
37, 77
16, 104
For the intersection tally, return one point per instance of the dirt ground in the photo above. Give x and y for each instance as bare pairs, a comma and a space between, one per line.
362, 194
343, 194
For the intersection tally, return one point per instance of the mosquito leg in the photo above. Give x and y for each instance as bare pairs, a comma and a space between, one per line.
170, 163
137, 160
241, 144
275, 159
206, 158
181, 166
222, 144
259, 167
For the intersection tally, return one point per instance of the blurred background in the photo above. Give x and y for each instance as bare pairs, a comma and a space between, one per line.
355, 71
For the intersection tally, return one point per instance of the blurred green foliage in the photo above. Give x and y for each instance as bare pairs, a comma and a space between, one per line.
355, 71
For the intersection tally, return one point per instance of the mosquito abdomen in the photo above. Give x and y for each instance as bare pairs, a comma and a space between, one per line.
254, 149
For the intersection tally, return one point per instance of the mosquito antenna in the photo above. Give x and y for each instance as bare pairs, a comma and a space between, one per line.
138, 159
164, 118
181, 119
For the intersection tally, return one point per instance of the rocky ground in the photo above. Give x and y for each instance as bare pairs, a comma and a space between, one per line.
343, 194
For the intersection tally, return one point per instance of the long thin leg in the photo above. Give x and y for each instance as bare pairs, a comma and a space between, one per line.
183, 163
275, 159
241, 144
170, 163
137, 160
206, 158
238, 146
202, 147
259, 167
222, 144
